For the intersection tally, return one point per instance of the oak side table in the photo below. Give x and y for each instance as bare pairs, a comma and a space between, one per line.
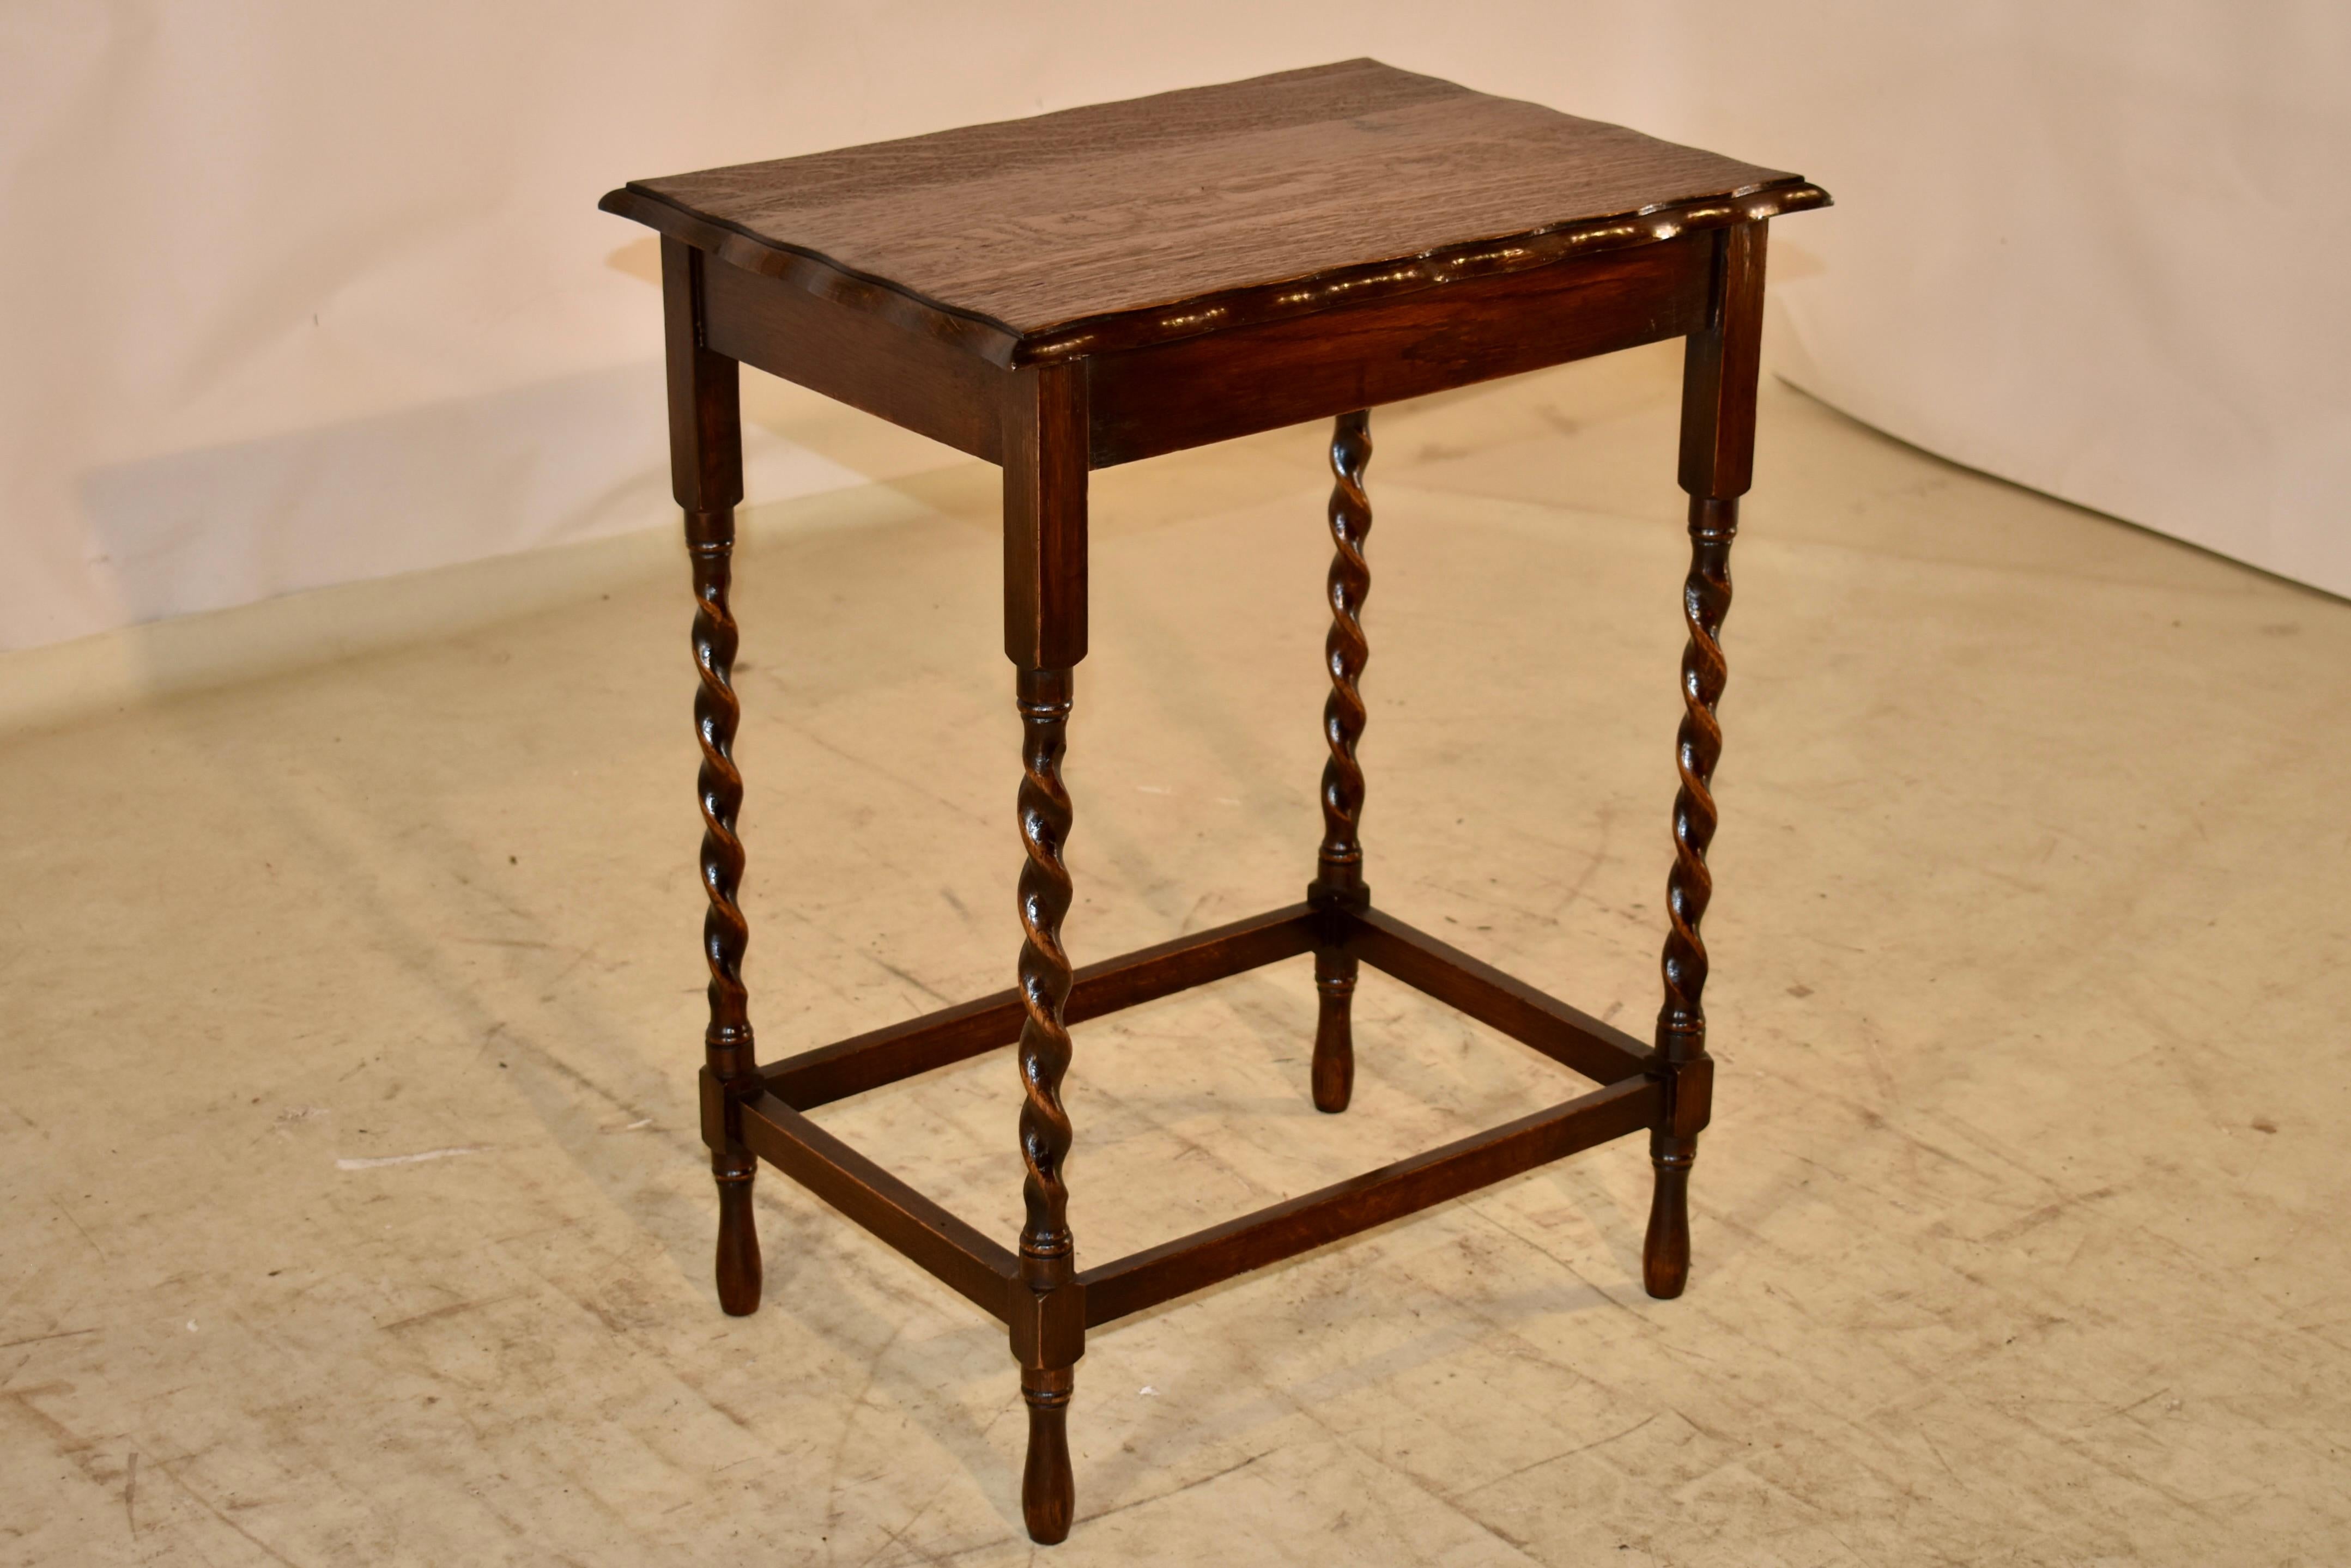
1084, 288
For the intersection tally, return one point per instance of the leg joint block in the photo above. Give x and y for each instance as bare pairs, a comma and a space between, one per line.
1688, 1096
1049, 1328
722, 1110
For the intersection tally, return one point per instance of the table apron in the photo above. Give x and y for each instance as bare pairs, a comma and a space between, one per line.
919, 382
1225, 384
1219, 385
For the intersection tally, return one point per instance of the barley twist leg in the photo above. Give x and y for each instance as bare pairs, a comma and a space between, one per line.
1048, 1492
725, 932
1339, 870
1681, 1023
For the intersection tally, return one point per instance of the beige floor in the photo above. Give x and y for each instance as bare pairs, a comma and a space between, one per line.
2019, 1233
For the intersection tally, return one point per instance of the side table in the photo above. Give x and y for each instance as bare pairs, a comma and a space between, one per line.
1080, 289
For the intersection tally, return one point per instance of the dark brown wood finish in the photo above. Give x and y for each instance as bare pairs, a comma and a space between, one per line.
1044, 456
1361, 353
1046, 1316
976, 1267
1107, 227
1717, 461
705, 433
1571, 1037
915, 379
1100, 285
967, 1260
958, 1034
1198, 1261
1338, 883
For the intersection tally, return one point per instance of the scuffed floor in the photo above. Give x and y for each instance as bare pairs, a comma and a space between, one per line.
2020, 1231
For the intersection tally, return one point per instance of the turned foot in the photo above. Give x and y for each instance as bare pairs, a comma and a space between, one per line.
739, 1273
1049, 1493
1666, 1252
1334, 1039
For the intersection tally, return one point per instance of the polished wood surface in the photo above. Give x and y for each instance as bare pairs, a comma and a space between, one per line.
1362, 352
1043, 452
1568, 1035
1338, 883
1197, 1262
1048, 1252
1077, 290
1339, 864
1106, 227
912, 379
953, 1034
705, 430
1718, 461
967, 1261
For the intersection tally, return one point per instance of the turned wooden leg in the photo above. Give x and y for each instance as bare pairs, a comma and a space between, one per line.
1048, 1263
1338, 882
1045, 635
1333, 1075
1716, 465
707, 475
728, 1044
739, 1275
1681, 1023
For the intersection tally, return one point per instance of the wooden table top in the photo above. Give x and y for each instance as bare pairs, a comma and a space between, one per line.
1330, 173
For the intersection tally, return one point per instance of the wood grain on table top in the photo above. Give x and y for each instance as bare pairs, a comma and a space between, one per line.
1086, 213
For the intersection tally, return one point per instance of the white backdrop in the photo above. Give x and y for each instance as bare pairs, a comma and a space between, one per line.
298, 292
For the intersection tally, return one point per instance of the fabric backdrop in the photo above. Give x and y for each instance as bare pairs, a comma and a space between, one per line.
301, 292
